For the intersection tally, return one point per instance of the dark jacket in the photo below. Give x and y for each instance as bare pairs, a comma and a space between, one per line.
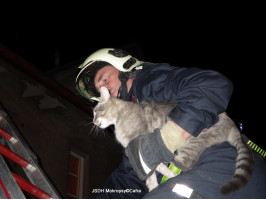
200, 95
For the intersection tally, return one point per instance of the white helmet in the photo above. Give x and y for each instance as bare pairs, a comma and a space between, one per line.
118, 58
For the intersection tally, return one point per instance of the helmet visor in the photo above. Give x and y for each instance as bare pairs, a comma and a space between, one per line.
85, 82
81, 89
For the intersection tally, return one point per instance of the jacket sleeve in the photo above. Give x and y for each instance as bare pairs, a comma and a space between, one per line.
201, 95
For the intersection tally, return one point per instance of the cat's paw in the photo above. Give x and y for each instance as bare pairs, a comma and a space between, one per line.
183, 164
151, 182
151, 185
171, 174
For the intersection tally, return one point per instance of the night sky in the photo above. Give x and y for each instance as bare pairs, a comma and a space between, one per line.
233, 45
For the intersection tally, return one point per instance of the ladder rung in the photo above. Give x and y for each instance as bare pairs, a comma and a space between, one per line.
21, 154
16, 158
28, 187
8, 187
5, 190
7, 136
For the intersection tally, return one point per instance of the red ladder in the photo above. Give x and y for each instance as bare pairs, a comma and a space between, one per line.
14, 149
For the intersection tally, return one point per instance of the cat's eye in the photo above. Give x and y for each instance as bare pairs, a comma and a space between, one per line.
98, 112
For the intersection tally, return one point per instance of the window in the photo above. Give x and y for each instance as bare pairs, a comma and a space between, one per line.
75, 176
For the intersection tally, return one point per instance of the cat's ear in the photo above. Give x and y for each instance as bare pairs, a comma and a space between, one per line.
105, 95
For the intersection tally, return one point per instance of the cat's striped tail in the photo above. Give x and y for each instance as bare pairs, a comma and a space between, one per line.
244, 166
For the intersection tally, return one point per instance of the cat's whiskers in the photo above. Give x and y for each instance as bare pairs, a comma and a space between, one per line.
97, 131
87, 123
94, 130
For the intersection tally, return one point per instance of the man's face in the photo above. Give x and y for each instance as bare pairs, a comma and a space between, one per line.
108, 77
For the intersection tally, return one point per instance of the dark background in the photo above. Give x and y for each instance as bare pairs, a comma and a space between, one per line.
230, 40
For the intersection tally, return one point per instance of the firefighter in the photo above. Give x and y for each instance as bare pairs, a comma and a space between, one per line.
201, 95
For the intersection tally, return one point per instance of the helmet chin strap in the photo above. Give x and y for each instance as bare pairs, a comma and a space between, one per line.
123, 77
122, 92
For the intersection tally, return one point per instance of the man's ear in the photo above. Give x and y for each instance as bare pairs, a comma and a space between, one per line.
105, 95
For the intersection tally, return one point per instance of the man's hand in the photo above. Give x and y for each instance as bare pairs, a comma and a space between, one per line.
145, 152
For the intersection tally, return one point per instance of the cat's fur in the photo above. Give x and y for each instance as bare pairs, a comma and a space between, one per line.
131, 120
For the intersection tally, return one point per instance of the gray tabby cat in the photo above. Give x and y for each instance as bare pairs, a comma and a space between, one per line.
131, 120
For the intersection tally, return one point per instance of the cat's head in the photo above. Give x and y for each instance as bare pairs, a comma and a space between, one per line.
103, 114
